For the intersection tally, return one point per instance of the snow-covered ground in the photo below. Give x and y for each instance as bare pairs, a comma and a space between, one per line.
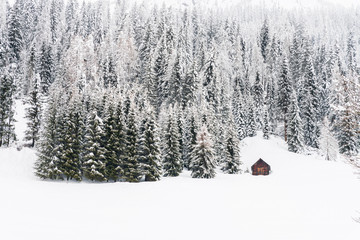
305, 197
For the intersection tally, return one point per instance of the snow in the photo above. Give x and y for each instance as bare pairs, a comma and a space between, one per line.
305, 197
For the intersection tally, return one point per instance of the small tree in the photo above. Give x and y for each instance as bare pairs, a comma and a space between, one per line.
202, 163
266, 126
328, 143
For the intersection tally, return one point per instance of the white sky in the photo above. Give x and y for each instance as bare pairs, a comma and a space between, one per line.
227, 3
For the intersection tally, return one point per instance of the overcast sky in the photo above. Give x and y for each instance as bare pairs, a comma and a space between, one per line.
282, 3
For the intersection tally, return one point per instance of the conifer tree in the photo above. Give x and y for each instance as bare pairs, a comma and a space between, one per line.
119, 129
94, 158
72, 138
266, 126
46, 166
171, 156
131, 168
328, 143
33, 114
15, 35
251, 124
111, 144
264, 40
285, 90
232, 162
309, 104
258, 94
7, 90
190, 132
295, 138
45, 68
149, 153
203, 161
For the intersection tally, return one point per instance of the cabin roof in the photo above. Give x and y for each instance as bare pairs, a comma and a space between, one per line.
260, 162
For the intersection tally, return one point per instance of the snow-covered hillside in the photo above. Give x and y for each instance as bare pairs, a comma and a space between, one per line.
305, 197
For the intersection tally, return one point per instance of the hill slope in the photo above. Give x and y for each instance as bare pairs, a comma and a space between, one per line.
305, 197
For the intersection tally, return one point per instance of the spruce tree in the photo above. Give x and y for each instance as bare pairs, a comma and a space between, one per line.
7, 90
284, 94
111, 144
295, 138
232, 162
73, 141
45, 68
33, 114
15, 35
171, 156
94, 158
203, 161
149, 152
46, 166
328, 143
131, 166
266, 126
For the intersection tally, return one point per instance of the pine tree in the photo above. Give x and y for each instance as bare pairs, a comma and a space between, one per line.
203, 162
149, 156
266, 126
111, 144
258, 94
119, 129
232, 162
46, 166
251, 124
45, 68
7, 90
171, 156
15, 36
94, 158
190, 132
33, 114
309, 103
70, 164
295, 138
328, 143
131, 166
190, 86
285, 90
264, 40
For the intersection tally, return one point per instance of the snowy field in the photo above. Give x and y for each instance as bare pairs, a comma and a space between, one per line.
305, 197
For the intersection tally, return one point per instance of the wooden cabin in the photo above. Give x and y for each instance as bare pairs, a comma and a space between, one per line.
260, 168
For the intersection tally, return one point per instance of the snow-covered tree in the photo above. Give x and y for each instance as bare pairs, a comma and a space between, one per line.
231, 163
33, 113
295, 138
149, 153
171, 155
328, 143
131, 167
203, 161
94, 158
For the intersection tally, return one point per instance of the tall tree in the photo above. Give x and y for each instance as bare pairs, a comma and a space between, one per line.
171, 155
203, 162
295, 138
94, 158
33, 113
